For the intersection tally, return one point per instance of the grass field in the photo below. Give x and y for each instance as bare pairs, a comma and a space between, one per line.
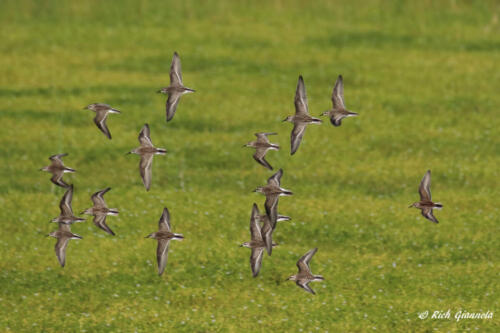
424, 77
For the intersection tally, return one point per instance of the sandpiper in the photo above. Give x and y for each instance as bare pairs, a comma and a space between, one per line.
66, 216
176, 89
268, 229
100, 210
338, 112
257, 243
262, 145
425, 204
63, 235
147, 151
163, 235
57, 169
102, 111
301, 118
273, 191
304, 276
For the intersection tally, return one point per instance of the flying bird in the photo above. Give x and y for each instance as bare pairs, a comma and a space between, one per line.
176, 89
304, 276
339, 111
63, 235
102, 111
146, 151
100, 210
273, 191
67, 216
262, 145
57, 169
256, 243
301, 118
163, 235
267, 228
425, 204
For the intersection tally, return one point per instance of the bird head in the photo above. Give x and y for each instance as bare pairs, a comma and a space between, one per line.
90, 107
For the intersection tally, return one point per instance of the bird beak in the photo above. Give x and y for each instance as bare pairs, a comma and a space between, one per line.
128, 153
158, 92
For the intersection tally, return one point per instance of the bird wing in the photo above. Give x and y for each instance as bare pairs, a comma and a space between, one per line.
267, 235
255, 231
162, 254
276, 178
56, 159
262, 137
427, 213
303, 263
256, 260
62, 243
145, 137
296, 136
65, 204
259, 156
100, 121
338, 94
145, 169
171, 106
175, 71
301, 98
97, 198
64, 227
305, 286
425, 187
100, 222
336, 118
271, 205
164, 223
57, 178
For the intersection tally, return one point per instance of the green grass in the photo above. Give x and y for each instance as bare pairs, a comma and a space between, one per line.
423, 76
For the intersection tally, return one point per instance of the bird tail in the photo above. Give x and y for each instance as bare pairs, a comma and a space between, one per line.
161, 151
113, 211
273, 146
70, 170
438, 205
178, 236
114, 111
